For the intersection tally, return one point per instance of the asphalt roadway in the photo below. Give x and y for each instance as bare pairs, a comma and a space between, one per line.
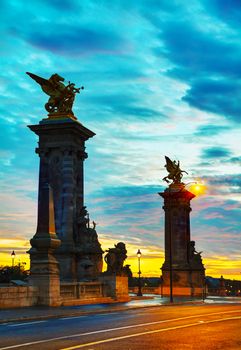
165, 327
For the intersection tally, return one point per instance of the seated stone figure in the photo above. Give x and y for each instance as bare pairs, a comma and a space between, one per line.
194, 256
115, 258
88, 248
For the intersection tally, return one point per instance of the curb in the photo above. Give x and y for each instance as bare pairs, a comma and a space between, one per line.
74, 314
94, 312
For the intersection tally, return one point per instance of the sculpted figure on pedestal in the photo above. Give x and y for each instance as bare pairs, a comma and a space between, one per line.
88, 247
127, 271
61, 96
115, 258
175, 173
83, 221
87, 236
194, 256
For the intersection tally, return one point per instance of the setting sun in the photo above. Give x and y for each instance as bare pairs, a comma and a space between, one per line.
198, 188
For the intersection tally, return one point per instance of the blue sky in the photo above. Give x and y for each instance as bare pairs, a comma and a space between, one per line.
161, 78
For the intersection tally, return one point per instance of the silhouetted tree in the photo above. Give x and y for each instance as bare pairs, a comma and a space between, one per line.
8, 273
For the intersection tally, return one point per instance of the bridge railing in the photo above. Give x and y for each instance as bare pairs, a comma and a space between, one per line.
81, 290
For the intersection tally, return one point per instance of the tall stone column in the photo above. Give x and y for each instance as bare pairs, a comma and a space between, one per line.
44, 268
62, 153
182, 262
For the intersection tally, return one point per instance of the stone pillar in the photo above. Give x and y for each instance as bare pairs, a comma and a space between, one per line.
62, 153
116, 287
44, 270
187, 268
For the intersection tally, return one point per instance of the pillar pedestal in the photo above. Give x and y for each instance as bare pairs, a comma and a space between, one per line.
183, 267
62, 154
115, 287
44, 268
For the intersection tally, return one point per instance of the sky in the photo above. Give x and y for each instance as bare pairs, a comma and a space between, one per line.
161, 78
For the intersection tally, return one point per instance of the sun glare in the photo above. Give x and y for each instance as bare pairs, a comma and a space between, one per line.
198, 189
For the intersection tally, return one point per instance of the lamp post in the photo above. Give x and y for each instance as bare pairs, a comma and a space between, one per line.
13, 257
204, 288
139, 294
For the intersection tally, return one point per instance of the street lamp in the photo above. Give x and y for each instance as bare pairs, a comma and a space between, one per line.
13, 257
139, 294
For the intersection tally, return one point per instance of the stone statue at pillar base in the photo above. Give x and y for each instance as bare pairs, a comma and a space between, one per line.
195, 259
115, 280
115, 258
88, 249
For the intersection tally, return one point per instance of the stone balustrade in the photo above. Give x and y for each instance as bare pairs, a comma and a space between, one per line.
80, 290
16, 296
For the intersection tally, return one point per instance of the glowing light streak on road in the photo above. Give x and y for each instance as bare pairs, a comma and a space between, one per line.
150, 332
122, 328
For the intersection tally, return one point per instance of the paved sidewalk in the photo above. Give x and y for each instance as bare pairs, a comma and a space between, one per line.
42, 312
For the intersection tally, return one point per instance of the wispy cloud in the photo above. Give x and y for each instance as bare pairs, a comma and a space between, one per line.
216, 152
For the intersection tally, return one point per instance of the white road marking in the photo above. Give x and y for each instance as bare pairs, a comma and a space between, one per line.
116, 329
107, 314
71, 318
148, 332
25, 323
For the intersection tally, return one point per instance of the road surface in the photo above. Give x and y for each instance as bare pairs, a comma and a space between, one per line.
178, 327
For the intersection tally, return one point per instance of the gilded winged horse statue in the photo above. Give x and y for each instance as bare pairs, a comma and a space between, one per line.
61, 96
175, 173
